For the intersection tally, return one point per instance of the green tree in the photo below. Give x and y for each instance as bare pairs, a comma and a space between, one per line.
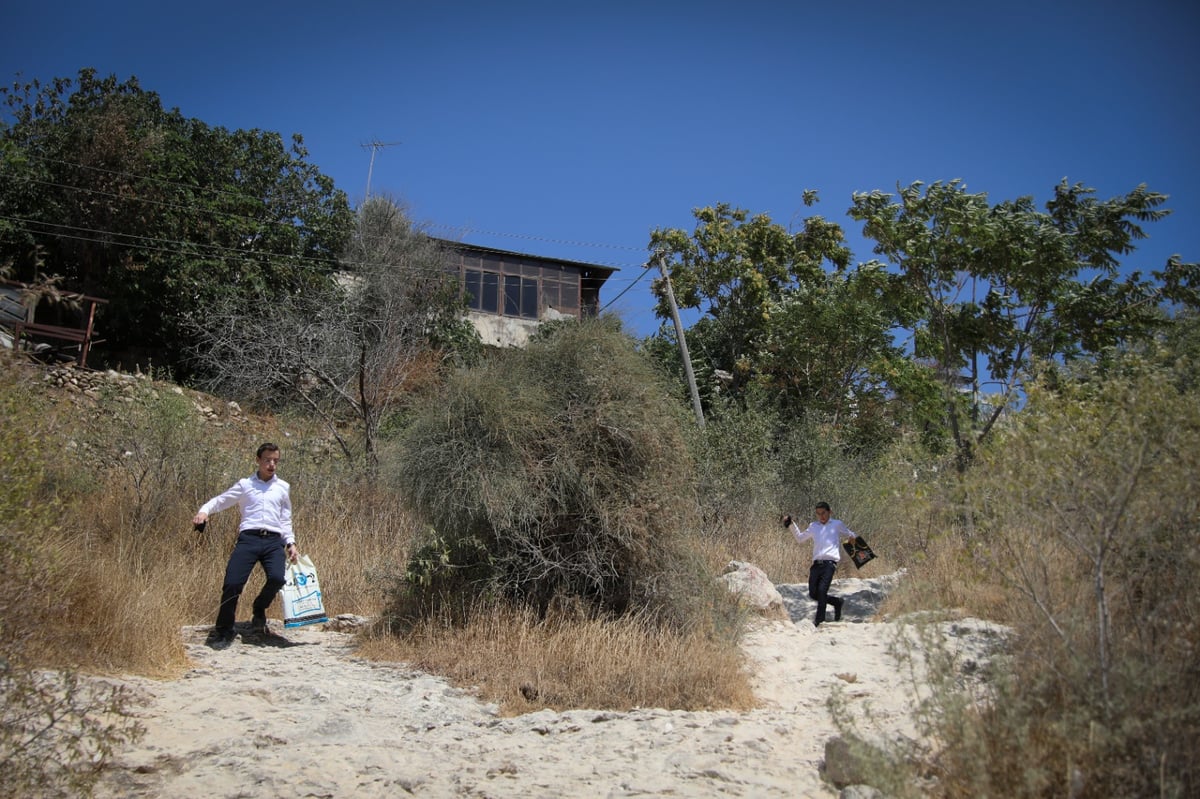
987, 290
161, 214
733, 268
784, 312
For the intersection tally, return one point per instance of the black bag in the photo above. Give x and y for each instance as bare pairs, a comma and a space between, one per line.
859, 551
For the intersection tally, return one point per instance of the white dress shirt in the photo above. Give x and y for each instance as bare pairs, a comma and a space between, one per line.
265, 505
825, 537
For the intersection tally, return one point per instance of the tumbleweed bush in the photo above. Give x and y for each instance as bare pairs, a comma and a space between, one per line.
557, 470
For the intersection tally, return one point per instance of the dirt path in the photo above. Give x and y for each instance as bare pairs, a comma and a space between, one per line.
309, 719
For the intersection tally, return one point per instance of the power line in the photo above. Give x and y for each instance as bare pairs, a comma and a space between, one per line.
201, 249
633, 283
153, 244
161, 203
285, 224
252, 198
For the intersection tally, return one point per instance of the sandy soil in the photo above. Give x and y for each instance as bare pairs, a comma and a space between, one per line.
304, 717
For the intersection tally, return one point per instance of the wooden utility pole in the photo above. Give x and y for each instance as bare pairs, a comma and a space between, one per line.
683, 350
374, 146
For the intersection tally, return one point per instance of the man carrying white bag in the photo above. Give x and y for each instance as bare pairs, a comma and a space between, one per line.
301, 594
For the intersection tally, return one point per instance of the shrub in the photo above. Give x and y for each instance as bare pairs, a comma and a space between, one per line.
736, 478
1085, 510
559, 469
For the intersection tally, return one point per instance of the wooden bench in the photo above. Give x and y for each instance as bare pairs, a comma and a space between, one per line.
74, 336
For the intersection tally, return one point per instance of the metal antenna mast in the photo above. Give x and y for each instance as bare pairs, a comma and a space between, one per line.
374, 145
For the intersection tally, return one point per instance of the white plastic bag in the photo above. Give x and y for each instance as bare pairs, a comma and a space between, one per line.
301, 593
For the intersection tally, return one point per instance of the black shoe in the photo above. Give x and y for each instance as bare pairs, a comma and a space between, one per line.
837, 612
221, 639
258, 624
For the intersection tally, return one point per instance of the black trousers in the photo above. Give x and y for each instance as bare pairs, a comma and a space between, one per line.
250, 549
820, 577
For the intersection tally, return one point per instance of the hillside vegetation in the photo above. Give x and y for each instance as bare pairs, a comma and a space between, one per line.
1077, 527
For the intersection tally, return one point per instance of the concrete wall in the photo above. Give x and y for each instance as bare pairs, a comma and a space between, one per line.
509, 331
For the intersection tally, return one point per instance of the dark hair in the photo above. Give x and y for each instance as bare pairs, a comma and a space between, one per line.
822, 506
267, 447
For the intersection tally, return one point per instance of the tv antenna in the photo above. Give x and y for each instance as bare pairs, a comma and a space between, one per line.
375, 145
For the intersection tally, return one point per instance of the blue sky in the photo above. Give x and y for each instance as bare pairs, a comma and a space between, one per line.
572, 130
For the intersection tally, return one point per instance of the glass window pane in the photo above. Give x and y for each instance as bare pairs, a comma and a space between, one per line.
490, 301
529, 299
550, 293
471, 286
568, 297
512, 295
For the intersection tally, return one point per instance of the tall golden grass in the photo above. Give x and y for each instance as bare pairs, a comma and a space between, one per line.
569, 661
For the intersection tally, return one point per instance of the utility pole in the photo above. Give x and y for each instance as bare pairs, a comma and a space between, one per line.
374, 145
683, 350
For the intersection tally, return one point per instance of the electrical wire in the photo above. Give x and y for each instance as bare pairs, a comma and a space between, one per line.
250, 198
627, 288
194, 248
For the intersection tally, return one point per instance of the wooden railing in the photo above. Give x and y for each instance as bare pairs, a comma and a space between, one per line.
81, 337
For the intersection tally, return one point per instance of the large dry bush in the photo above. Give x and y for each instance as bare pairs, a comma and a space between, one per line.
557, 470
1085, 510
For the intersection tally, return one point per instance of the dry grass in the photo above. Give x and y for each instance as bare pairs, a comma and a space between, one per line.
570, 662
124, 566
130, 591
126, 571
765, 543
948, 577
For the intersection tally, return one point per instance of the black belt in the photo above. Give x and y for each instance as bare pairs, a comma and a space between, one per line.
261, 533
818, 562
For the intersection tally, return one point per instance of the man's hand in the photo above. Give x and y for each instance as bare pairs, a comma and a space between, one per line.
787, 521
199, 522
293, 554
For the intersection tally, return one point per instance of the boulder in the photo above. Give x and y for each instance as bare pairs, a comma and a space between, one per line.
754, 589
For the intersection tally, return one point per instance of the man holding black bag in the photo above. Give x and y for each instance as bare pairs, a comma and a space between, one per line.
264, 536
826, 535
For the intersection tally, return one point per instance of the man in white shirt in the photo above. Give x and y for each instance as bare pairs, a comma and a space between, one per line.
264, 536
826, 535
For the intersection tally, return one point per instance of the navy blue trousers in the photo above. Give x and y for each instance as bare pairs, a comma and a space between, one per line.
251, 549
820, 577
